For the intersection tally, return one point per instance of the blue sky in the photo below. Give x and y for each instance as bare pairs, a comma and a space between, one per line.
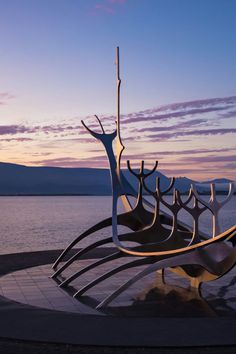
57, 66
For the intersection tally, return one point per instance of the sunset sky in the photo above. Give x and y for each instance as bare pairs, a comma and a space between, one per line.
178, 93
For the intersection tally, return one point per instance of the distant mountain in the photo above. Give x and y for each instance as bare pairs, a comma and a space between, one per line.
22, 180
218, 180
25, 180
221, 185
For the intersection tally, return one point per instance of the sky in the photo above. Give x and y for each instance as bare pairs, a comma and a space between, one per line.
178, 92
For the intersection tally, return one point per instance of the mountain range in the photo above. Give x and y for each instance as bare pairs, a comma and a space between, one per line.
26, 180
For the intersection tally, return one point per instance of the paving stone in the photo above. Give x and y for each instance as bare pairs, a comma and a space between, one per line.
33, 285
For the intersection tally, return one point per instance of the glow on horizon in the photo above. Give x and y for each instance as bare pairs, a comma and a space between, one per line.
58, 67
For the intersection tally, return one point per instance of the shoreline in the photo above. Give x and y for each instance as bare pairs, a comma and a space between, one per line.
93, 195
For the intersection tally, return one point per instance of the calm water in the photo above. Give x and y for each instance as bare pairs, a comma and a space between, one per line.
39, 223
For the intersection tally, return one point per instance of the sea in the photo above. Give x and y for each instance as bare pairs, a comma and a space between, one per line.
52, 222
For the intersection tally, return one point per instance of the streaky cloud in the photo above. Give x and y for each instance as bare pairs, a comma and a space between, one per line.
107, 6
209, 158
181, 125
16, 139
5, 96
67, 162
206, 132
153, 116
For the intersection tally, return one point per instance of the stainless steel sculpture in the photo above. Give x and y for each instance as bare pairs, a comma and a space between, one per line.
161, 240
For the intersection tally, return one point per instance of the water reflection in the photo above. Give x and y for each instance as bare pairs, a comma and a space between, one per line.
40, 223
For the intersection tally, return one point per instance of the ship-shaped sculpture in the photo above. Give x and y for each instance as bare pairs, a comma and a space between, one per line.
161, 240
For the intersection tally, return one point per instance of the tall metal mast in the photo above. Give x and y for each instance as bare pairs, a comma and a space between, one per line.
119, 146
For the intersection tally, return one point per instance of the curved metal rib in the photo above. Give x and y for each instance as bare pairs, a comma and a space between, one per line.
205, 260
104, 260
80, 253
167, 190
180, 201
214, 205
152, 170
116, 270
156, 226
142, 174
229, 195
194, 211
140, 251
130, 237
193, 257
125, 219
97, 227
173, 262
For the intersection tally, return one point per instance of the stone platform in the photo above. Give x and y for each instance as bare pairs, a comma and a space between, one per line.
33, 308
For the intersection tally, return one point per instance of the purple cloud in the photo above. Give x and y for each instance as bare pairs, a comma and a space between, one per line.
40, 154
200, 103
156, 154
5, 96
168, 136
67, 162
181, 125
104, 8
183, 171
14, 129
179, 111
167, 116
98, 149
230, 166
79, 140
107, 6
210, 158
16, 139
196, 151
229, 114
117, 1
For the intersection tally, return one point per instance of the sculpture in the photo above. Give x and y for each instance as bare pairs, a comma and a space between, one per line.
163, 241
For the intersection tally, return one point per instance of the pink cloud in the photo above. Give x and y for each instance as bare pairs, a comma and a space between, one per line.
108, 6
14, 129
152, 115
117, 1
206, 132
200, 103
46, 129
16, 139
104, 8
173, 127
5, 96
209, 159
231, 166
69, 162
183, 171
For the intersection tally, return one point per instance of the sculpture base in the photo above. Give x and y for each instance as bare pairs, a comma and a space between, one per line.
174, 298
153, 317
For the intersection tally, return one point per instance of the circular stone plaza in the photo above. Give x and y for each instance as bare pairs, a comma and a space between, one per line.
37, 316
